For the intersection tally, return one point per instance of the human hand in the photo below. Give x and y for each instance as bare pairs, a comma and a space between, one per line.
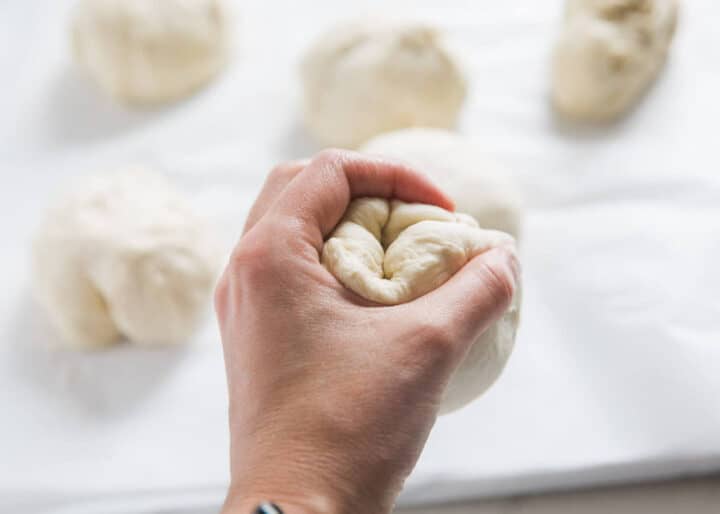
332, 397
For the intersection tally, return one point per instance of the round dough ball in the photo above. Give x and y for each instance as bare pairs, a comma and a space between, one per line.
609, 53
394, 252
478, 186
365, 78
124, 255
151, 51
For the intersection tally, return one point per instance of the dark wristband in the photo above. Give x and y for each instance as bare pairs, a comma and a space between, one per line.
268, 508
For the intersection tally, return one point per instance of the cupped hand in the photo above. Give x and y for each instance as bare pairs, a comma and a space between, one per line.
332, 397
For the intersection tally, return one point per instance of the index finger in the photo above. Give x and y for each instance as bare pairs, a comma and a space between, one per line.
321, 192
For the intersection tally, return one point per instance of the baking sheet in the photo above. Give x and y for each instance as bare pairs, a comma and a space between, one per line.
615, 376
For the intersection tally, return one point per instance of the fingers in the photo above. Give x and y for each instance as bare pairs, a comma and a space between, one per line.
274, 185
320, 193
468, 303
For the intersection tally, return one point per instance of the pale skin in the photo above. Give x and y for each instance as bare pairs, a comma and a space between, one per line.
332, 397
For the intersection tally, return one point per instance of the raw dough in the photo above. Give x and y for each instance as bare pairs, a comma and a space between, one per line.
609, 54
151, 51
394, 252
478, 186
365, 78
124, 254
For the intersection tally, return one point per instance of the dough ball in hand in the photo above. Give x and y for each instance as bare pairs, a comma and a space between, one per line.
151, 51
478, 186
609, 53
124, 255
391, 252
361, 79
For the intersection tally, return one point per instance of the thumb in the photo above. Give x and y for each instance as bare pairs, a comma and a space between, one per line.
472, 299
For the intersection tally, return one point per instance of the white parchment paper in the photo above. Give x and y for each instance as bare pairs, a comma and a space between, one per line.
615, 376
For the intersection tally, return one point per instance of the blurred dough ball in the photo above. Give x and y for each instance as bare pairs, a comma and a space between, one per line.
124, 255
364, 78
151, 51
459, 167
609, 53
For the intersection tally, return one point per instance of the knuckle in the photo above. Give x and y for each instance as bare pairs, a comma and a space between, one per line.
499, 282
435, 340
266, 251
220, 296
331, 156
286, 171
252, 255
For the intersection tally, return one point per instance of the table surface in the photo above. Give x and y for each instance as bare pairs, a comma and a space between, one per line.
696, 496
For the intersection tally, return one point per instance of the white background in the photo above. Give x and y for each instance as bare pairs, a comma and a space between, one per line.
615, 375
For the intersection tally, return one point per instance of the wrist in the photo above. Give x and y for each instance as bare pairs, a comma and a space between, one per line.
248, 504
299, 491
301, 499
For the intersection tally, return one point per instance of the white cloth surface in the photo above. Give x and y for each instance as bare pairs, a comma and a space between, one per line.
615, 373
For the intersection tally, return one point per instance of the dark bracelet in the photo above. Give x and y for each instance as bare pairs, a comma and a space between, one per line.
268, 508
